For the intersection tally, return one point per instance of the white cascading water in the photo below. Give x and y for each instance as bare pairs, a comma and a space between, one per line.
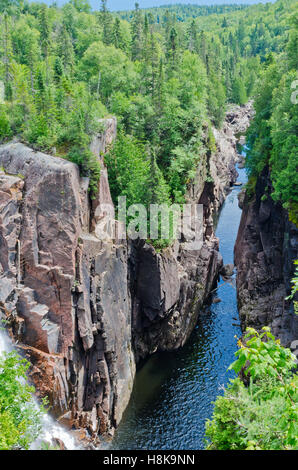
50, 428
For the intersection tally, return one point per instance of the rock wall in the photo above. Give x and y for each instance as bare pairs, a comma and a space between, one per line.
170, 288
65, 291
266, 248
83, 310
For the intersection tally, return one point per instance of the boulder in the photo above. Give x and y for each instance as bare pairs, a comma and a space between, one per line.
227, 270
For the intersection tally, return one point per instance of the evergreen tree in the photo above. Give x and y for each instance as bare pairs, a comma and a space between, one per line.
107, 22
239, 92
157, 187
44, 25
7, 58
172, 48
192, 36
137, 35
117, 37
65, 49
81, 5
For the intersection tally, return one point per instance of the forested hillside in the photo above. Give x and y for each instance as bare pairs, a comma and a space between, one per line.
86, 311
183, 12
273, 137
166, 74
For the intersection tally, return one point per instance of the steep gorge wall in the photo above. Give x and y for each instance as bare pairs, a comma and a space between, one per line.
266, 248
63, 290
170, 288
84, 310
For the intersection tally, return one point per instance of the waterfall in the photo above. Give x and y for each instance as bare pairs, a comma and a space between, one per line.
50, 428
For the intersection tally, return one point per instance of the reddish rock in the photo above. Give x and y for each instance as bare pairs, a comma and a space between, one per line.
70, 311
84, 310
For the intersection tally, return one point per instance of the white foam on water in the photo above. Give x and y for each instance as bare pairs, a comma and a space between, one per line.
50, 428
5, 343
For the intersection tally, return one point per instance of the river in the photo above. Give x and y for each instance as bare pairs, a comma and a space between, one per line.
173, 392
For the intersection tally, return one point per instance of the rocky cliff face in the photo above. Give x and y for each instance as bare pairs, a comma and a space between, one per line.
84, 310
65, 291
266, 248
170, 288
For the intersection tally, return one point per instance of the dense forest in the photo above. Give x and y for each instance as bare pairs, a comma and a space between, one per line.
168, 74
167, 81
272, 136
181, 11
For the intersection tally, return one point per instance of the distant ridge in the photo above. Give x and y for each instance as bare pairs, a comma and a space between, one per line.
128, 5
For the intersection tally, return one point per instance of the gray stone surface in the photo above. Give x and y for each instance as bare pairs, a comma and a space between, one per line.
266, 248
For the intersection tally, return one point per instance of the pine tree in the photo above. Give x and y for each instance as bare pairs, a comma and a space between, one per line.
192, 36
154, 61
239, 92
44, 25
65, 49
137, 35
203, 47
160, 88
58, 69
117, 38
8, 54
224, 23
158, 191
172, 48
7, 7
107, 21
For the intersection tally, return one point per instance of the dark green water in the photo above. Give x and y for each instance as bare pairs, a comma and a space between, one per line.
173, 392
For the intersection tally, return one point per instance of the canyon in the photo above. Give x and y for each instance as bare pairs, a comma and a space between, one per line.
86, 311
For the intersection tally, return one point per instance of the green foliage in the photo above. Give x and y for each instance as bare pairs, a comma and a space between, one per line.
81, 5
216, 100
183, 167
263, 415
5, 129
238, 92
261, 355
20, 419
46, 446
294, 288
166, 73
108, 69
134, 174
89, 166
272, 136
182, 12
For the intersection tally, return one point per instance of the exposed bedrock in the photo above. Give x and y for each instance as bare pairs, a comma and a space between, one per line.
83, 310
170, 288
266, 248
63, 289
